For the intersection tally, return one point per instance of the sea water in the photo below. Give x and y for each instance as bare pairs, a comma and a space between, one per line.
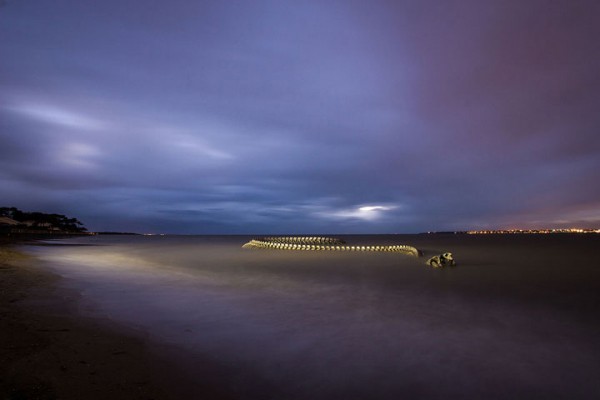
517, 318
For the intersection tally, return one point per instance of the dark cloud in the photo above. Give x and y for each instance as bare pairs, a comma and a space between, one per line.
214, 117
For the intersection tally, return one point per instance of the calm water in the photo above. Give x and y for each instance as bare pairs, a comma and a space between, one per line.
518, 318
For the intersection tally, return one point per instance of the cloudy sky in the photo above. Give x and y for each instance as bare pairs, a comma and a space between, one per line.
302, 116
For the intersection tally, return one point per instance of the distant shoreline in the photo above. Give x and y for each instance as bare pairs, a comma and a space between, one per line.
20, 237
553, 231
29, 236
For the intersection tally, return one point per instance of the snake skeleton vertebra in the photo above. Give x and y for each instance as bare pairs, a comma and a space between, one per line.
323, 243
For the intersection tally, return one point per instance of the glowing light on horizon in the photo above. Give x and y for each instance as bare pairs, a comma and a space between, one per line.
373, 208
367, 213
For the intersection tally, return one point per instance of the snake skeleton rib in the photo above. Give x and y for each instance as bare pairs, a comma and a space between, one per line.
324, 244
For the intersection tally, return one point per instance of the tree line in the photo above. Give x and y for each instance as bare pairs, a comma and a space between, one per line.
42, 221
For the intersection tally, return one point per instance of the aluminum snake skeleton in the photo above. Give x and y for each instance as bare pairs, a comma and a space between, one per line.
319, 243
323, 243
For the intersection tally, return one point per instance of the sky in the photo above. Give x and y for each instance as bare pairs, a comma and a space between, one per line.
292, 117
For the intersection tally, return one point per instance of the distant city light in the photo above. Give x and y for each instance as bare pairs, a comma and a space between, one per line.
531, 231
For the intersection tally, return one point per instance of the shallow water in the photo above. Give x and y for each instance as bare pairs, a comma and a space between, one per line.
517, 318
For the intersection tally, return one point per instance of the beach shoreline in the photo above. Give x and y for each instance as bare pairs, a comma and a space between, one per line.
50, 352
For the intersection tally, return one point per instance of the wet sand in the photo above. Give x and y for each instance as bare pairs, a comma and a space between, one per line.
50, 353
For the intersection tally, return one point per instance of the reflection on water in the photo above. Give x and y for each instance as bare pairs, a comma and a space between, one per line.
518, 317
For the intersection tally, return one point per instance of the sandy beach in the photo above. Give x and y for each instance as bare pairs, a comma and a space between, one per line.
49, 353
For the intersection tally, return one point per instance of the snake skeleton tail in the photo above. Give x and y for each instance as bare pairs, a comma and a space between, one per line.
324, 244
